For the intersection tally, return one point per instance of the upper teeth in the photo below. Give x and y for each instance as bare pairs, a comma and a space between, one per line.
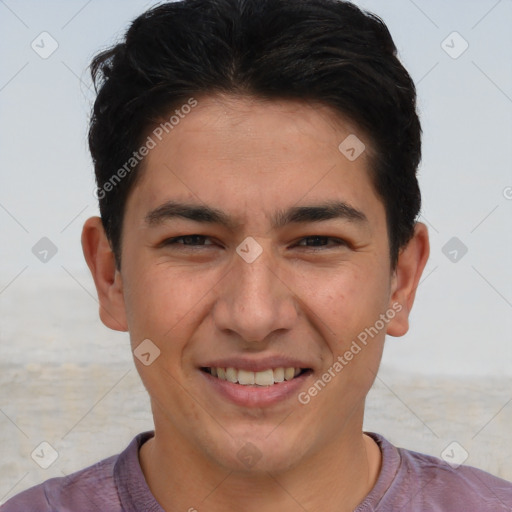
263, 378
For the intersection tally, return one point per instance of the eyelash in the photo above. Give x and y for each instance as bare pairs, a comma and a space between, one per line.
339, 242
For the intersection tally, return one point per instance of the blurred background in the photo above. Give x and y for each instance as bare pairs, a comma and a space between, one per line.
66, 380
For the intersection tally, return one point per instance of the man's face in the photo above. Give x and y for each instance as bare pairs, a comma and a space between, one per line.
207, 302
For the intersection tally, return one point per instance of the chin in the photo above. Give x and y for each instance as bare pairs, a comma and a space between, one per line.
259, 454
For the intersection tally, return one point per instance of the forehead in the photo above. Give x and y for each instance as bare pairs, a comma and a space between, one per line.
263, 124
248, 154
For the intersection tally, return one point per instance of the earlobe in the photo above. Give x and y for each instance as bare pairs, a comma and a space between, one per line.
411, 263
101, 262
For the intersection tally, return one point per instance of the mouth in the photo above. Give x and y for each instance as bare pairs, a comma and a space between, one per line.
263, 387
250, 382
268, 377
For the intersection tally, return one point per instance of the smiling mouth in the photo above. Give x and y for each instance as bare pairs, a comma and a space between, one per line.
267, 377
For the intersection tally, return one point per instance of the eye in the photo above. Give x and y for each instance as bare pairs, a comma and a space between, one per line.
321, 241
187, 240
313, 242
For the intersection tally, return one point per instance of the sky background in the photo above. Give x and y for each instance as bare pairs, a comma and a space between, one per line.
462, 319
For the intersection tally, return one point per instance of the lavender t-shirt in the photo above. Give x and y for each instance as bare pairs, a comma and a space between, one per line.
408, 481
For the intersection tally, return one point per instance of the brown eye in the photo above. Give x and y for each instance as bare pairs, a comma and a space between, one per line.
186, 240
318, 241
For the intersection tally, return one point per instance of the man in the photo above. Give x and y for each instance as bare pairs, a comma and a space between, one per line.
256, 168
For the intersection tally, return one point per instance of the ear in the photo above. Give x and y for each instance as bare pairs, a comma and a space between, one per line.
411, 262
109, 285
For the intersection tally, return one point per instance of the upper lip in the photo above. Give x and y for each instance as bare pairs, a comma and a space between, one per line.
256, 365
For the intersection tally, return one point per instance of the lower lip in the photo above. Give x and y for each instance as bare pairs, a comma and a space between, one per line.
256, 396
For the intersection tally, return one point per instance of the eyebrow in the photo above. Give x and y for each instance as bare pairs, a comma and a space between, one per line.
295, 215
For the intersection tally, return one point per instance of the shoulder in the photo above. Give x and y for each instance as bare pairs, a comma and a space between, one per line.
87, 489
106, 485
461, 483
418, 481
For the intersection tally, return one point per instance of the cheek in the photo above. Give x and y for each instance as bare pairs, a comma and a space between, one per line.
154, 303
348, 299
166, 304
164, 307
352, 302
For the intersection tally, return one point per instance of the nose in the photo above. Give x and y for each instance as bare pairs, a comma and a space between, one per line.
255, 300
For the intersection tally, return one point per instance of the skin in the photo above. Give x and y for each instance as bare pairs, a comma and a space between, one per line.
202, 301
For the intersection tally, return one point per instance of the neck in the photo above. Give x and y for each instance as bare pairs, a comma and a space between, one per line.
336, 478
